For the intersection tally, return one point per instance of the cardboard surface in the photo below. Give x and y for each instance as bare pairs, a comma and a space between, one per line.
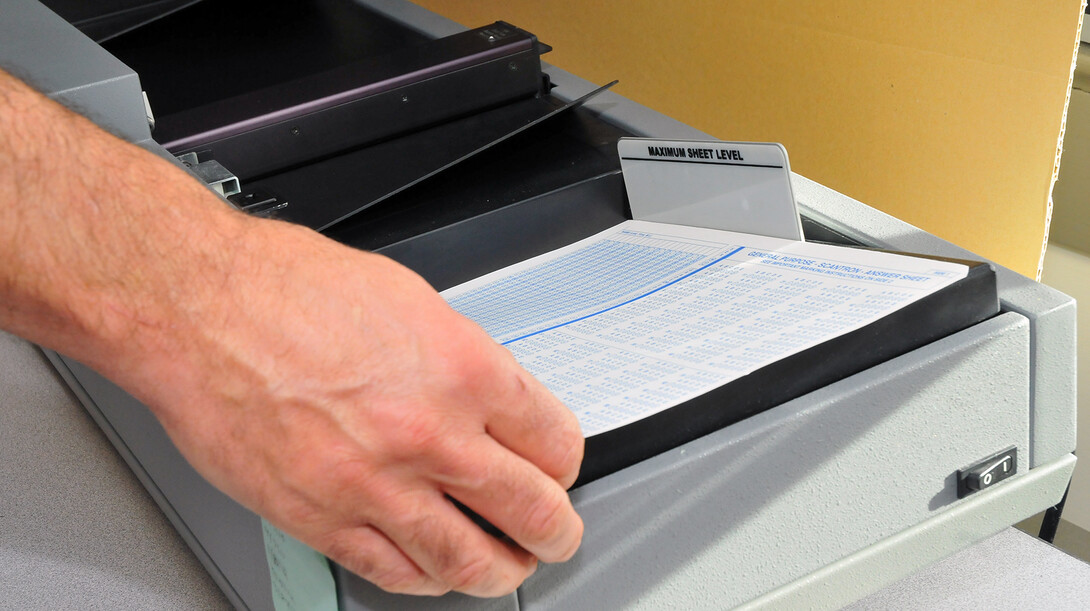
946, 115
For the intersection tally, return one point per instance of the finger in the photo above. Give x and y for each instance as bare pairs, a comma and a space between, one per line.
517, 498
534, 424
370, 554
453, 550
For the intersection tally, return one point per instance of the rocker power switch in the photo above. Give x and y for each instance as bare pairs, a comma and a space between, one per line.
988, 472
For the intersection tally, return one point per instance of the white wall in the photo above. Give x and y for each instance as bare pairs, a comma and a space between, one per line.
1068, 271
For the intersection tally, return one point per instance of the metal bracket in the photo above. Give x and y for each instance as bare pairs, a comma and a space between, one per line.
258, 202
147, 111
219, 178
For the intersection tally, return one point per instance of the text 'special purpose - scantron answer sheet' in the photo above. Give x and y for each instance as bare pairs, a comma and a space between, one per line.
644, 316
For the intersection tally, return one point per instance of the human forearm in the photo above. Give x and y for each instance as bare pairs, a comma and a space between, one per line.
72, 199
328, 389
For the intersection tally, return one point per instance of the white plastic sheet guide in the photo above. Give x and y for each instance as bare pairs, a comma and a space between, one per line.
735, 186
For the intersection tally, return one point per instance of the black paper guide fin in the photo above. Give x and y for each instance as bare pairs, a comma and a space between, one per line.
390, 167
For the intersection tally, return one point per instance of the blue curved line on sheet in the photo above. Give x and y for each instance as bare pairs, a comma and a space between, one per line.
614, 307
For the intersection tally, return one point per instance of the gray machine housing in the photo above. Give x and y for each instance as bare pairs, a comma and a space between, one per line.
813, 503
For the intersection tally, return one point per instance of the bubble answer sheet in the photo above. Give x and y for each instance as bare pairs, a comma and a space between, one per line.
645, 316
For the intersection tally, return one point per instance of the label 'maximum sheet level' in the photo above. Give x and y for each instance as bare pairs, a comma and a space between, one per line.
644, 316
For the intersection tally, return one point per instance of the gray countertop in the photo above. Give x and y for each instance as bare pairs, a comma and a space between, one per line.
77, 531
1011, 570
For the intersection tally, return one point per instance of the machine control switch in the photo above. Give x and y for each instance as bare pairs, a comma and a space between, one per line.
987, 472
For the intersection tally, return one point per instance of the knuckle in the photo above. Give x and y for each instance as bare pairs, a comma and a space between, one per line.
404, 580
419, 433
461, 469
477, 364
349, 555
470, 572
358, 559
391, 573
521, 389
569, 449
347, 471
472, 373
302, 514
546, 517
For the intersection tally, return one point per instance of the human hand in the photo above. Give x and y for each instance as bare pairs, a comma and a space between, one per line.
328, 389
335, 393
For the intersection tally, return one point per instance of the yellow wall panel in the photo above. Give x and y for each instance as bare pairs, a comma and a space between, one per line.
945, 114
